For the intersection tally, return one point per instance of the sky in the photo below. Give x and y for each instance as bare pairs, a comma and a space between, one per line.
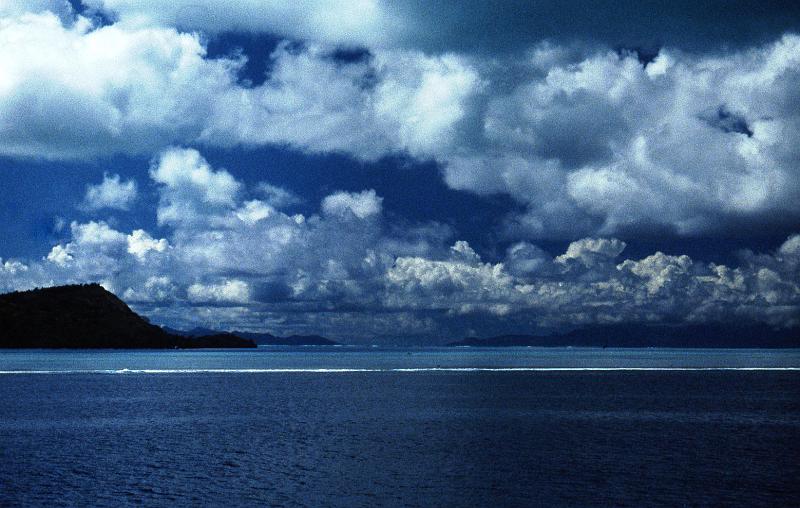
405, 171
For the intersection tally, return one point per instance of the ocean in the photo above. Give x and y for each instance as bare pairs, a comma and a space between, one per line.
353, 426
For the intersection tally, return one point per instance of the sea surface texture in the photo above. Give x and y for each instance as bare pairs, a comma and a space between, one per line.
327, 426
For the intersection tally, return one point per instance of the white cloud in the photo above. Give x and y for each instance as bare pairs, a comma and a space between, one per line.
254, 211
588, 141
12, 267
392, 102
96, 233
591, 251
461, 283
81, 91
112, 192
277, 197
78, 91
191, 188
603, 144
155, 289
59, 255
281, 267
352, 22
228, 292
360, 204
140, 243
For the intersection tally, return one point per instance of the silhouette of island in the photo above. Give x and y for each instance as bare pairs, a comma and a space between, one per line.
87, 316
265, 339
712, 335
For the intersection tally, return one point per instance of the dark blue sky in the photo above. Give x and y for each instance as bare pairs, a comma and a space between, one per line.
406, 169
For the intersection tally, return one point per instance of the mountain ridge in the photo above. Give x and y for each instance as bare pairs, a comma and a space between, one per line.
261, 338
710, 335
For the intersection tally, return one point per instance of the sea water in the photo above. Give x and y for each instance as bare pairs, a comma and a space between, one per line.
348, 426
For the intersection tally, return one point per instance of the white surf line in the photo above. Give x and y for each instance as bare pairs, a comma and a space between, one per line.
406, 370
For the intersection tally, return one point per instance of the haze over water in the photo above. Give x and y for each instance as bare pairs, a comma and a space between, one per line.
400, 427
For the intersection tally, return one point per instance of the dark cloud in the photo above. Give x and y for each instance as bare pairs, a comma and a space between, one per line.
727, 121
517, 24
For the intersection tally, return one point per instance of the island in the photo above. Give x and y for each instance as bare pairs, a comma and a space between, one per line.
87, 316
261, 338
710, 335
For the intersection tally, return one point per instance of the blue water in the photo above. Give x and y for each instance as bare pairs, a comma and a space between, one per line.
400, 427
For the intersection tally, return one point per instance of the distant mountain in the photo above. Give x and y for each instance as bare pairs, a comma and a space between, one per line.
214, 339
265, 339
87, 316
268, 339
713, 335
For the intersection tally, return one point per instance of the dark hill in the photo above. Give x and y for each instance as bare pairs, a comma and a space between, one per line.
86, 316
711, 335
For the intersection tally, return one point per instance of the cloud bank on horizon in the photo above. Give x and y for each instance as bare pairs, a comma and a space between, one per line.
595, 143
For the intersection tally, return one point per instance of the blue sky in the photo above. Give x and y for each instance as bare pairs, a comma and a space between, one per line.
405, 170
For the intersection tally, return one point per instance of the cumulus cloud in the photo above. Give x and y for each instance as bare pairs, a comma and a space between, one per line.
76, 91
588, 141
112, 192
12, 267
592, 251
227, 292
247, 264
594, 145
190, 187
136, 88
604, 144
394, 101
140, 243
657, 288
685, 142
156, 289
360, 204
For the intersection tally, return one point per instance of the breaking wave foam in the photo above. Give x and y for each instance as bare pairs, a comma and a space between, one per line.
408, 370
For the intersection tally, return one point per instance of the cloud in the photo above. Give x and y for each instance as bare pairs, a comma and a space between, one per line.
360, 204
157, 289
112, 192
392, 102
592, 251
657, 288
277, 197
451, 26
588, 140
12, 267
136, 88
461, 283
77, 91
354, 22
595, 143
791, 247
243, 264
227, 292
140, 243
96, 234
59, 255
603, 144
191, 189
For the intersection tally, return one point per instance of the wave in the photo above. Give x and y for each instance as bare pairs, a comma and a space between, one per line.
400, 369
